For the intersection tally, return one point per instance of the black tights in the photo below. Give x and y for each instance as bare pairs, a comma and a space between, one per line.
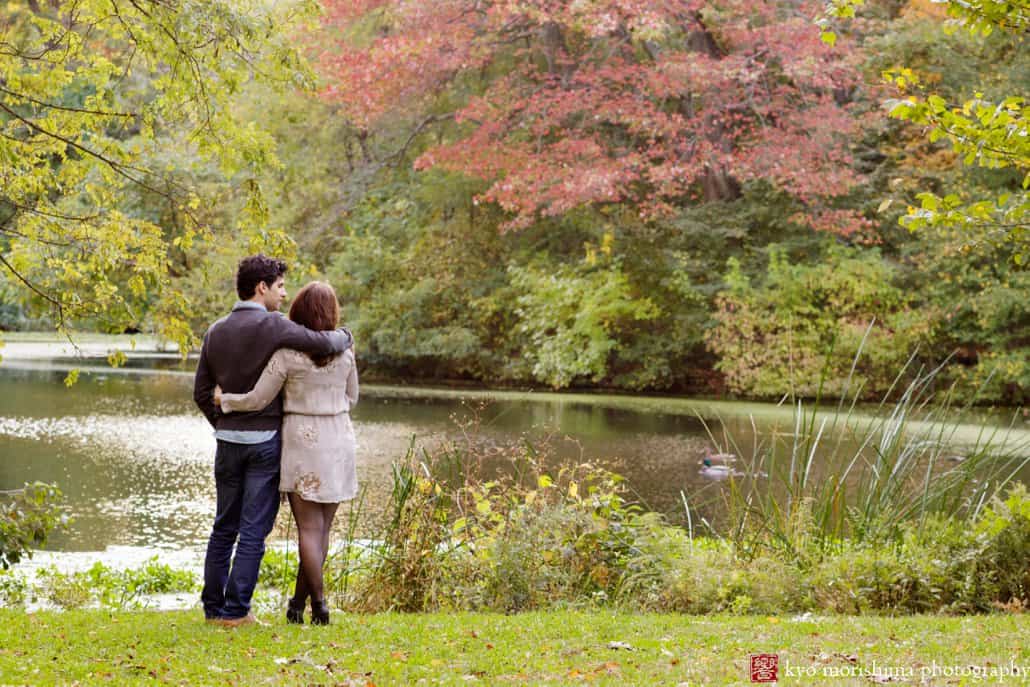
314, 520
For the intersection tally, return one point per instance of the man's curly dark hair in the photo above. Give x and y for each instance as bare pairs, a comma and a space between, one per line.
255, 269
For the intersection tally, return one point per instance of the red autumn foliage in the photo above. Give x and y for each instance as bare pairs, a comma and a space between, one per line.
566, 103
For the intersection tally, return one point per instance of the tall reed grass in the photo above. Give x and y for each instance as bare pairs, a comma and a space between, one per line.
844, 472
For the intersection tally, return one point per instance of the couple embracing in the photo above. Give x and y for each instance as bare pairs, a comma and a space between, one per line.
277, 392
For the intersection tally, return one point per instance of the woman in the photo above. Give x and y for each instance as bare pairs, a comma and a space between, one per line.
317, 439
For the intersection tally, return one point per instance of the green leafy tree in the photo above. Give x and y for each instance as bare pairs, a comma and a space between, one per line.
988, 132
801, 327
91, 93
975, 302
964, 281
420, 272
573, 317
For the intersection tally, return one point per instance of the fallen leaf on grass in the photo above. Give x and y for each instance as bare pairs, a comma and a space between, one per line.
607, 668
357, 680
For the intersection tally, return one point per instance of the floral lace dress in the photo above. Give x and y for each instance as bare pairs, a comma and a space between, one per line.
317, 436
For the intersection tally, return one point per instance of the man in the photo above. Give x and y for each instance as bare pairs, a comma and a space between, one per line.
235, 351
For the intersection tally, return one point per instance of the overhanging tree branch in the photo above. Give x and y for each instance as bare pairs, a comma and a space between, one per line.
50, 299
65, 108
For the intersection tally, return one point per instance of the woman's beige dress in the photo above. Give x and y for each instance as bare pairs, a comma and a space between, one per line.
317, 436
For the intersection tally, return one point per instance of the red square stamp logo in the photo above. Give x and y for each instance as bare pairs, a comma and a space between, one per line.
764, 667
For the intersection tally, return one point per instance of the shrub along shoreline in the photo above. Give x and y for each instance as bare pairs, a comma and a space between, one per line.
573, 544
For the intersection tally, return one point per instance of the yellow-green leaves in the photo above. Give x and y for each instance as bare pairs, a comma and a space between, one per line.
92, 92
981, 132
985, 134
575, 316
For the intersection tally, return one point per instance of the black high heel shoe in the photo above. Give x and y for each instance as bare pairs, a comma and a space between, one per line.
295, 612
319, 612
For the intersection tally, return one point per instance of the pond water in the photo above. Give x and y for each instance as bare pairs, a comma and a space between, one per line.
134, 457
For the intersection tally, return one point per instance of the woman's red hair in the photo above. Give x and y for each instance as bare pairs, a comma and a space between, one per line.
315, 307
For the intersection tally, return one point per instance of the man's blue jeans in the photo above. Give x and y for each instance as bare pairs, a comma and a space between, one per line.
247, 484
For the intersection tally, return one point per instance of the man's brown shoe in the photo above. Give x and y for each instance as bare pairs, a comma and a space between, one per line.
248, 619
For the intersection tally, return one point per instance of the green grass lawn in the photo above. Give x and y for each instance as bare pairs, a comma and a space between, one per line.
99, 647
